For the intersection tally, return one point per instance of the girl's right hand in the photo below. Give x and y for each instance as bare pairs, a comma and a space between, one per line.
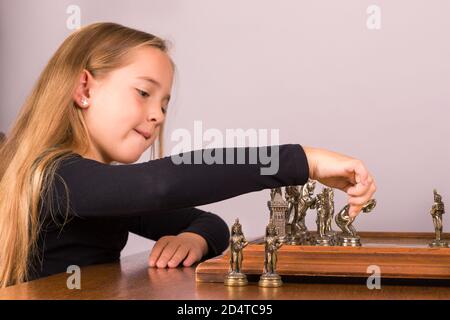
344, 173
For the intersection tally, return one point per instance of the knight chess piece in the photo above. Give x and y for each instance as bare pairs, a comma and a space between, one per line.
349, 236
307, 201
322, 238
278, 211
437, 210
270, 278
238, 242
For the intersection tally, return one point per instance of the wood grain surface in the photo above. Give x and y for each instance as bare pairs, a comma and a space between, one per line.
131, 278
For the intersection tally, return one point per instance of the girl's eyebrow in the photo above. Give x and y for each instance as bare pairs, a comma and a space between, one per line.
150, 80
155, 83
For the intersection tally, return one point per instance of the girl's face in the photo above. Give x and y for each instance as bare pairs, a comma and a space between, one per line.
126, 109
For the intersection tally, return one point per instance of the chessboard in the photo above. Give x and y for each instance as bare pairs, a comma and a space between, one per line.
400, 255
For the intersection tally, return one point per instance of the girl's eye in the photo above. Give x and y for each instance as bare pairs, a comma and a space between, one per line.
164, 110
143, 93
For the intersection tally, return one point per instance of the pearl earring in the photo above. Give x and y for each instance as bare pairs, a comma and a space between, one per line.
84, 101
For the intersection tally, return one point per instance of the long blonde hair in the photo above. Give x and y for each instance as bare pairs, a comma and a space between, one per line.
48, 129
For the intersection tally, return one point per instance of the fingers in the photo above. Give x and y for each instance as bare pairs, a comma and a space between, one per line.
193, 257
169, 251
179, 255
361, 173
358, 172
363, 188
360, 189
156, 251
358, 201
163, 251
167, 254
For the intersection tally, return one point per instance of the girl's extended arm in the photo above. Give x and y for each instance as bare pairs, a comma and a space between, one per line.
102, 190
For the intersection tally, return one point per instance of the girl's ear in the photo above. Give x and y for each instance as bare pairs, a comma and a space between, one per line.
83, 89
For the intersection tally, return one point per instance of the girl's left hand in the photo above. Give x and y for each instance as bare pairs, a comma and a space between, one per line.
169, 251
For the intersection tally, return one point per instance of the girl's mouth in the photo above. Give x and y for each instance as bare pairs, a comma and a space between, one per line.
145, 135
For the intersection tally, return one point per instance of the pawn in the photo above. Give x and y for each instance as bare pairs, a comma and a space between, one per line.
270, 278
437, 210
235, 277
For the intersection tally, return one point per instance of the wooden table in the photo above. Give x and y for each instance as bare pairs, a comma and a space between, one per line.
132, 279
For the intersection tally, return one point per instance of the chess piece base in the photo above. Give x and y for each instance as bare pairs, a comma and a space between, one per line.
235, 280
270, 281
325, 241
293, 241
304, 237
283, 239
438, 244
348, 241
298, 239
333, 237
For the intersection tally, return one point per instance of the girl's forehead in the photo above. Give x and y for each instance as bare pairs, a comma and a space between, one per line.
148, 58
149, 63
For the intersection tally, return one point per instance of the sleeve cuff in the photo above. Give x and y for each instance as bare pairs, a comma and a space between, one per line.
302, 165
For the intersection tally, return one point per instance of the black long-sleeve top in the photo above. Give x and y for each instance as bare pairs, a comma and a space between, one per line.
151, 199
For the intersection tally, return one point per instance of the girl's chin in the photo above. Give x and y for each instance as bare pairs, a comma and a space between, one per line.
130, 158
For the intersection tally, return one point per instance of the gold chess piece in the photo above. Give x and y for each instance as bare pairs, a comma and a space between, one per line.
270, 278
437, 210
235, 277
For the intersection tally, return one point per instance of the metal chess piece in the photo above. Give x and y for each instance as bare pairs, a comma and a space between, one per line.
307, 201
278, 209
437, 210
274, 192
322, 238
329, 201
292, 196
237, 243
349, 237
270, 278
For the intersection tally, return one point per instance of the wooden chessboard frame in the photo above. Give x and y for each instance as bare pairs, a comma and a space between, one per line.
401, 255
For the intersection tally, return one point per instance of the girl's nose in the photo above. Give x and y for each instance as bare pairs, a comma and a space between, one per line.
155, 114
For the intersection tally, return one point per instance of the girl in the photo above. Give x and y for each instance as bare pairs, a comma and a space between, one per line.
101, 99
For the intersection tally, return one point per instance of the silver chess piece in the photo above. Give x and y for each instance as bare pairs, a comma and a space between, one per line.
437, 210
307, 201
238, 242
322, 204
270, 278
278, 211
348, 236
292, 196
329, 201
274, 192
